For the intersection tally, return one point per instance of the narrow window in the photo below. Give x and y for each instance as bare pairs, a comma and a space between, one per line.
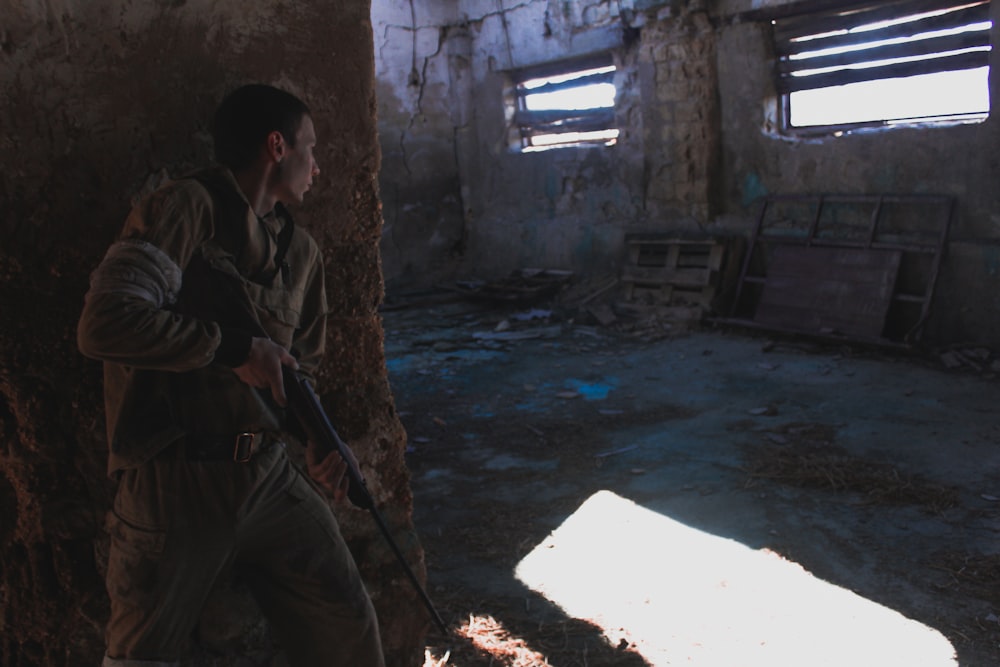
884, 63
564, 104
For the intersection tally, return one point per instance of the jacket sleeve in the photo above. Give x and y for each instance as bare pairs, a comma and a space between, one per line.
126, 315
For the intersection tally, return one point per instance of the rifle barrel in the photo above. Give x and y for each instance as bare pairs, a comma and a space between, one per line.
306, 406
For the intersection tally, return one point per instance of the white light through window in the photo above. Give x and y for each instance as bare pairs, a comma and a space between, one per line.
563, 108
962, 95
927, 64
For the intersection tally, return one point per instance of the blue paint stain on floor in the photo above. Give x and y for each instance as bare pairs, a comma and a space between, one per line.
592, 391
530, 406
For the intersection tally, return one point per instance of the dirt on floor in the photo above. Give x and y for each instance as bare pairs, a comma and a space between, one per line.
876, 472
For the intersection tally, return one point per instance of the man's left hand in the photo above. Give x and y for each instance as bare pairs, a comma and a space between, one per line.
330, 471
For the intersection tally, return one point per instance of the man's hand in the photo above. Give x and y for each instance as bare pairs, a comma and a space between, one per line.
330, 472
262, 369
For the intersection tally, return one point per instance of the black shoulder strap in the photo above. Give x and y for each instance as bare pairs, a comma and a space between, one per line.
284, 237
229, 208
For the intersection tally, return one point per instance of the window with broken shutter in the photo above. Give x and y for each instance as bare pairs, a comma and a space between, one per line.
877, 63
564, 104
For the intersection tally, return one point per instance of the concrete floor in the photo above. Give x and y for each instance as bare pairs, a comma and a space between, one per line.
598, 499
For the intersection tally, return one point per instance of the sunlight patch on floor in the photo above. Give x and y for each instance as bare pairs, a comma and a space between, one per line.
678, 595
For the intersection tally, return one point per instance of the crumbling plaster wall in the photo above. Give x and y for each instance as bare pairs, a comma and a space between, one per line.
698, 147
959, 160
560, 209
99, 100
441, 85
420, 106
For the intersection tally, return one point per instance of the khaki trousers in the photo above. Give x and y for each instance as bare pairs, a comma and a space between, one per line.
177, 524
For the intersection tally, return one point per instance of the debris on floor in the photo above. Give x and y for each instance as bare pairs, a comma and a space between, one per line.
842, 462
521, 287
978, 359
978, 574
541, 303
825, 466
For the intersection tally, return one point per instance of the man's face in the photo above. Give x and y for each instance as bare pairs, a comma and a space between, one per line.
298, 166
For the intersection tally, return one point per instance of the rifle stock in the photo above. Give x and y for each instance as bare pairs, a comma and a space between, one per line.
305, 406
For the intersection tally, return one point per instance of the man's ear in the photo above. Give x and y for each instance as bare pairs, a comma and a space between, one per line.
276, 146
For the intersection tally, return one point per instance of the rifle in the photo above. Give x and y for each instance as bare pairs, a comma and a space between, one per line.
213, 295
306, 408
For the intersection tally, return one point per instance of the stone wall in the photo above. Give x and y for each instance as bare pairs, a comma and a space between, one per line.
956, 160
419, 112
476, 207
698, 148
441, 86
678, 88
100, 101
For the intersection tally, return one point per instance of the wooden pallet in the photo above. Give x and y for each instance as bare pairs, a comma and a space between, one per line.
672, 271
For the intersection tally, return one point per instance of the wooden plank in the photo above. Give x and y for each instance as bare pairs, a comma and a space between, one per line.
833, 264
588, 80
715, 257
835, 28
534, 123
642, 239
811, 9
563, 66
924, 47
675, 254
666, 276
829, 290
971, 60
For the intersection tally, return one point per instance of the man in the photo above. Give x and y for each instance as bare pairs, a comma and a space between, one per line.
194, 401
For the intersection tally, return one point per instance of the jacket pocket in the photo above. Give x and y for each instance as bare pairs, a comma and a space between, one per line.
280, 311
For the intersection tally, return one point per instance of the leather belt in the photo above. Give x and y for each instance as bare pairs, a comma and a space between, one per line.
239, 447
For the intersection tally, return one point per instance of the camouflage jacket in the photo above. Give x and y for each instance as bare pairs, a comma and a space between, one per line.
168, 370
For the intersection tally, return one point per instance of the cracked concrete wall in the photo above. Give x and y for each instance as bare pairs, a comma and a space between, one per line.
560, 209
698, 147
100, 99
418, 97
458, 201
957, 160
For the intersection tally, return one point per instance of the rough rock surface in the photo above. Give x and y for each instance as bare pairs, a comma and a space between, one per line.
102, 100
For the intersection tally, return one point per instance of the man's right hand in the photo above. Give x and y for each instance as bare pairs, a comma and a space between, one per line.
262, 369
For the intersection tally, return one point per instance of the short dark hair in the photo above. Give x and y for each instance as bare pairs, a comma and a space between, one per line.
247, 115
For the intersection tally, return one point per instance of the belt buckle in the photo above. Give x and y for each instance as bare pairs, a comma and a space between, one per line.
243, 449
